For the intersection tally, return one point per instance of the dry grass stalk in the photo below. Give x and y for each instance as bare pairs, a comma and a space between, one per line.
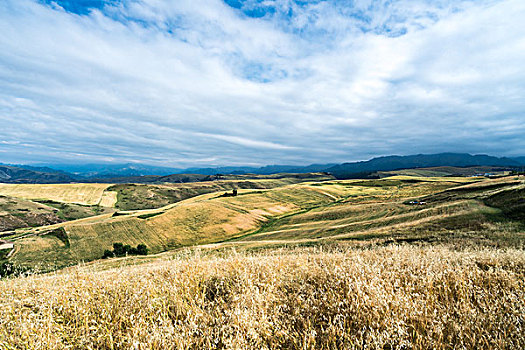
398, 297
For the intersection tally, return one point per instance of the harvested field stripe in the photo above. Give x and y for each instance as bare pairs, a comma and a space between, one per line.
87, 194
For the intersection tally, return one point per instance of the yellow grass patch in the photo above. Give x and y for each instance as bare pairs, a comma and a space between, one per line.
88, 194
397, 297
108, 199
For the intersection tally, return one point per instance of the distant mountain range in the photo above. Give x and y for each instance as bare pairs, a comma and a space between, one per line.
388, 163
10, 174
110, 170
520, 160
62, 173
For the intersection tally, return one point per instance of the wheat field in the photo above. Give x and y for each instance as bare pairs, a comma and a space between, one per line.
334, 297
308, 211
87, 194
309, 266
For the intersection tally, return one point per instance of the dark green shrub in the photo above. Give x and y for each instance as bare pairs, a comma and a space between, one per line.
6, 269
142, 249
108, 254
127, 249
120, 249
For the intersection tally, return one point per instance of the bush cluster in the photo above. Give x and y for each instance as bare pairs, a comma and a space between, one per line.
120, 249
6, 269
9, 269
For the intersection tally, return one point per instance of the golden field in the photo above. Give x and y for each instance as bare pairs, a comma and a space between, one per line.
332, 297
87, 194
335, 264
307, 212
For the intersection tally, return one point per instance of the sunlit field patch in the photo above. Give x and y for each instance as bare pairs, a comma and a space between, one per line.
338, 297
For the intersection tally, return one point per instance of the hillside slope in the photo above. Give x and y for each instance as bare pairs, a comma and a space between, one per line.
415, 262
447, 171
17, 213
485, 211
359, 210
205, 219
142, 196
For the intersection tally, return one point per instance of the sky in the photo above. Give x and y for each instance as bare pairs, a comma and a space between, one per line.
187, 83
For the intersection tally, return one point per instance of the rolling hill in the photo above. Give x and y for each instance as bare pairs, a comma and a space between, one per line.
26, 205
446, 171
415, 261
141, 173
357, 210
421, 262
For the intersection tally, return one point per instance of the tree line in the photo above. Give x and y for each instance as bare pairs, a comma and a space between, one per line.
120, 249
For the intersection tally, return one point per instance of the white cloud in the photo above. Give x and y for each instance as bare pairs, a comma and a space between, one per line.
197, 82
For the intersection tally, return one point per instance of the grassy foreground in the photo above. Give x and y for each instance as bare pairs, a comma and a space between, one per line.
337, 297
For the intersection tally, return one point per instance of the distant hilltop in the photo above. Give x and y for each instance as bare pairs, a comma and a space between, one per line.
66, 173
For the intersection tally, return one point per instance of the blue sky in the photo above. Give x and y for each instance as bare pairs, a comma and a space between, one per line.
254, 82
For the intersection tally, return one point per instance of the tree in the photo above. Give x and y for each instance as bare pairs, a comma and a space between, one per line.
142, 249
118, 249
127, 249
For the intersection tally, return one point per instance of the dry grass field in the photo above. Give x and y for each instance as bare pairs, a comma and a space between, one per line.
87, 194
322, 265
151, 196
331, 297
200, 220
355, 210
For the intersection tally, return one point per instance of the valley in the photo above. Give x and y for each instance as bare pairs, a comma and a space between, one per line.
275, 212
425, 261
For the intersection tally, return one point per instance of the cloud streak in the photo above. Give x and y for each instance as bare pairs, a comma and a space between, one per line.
194, 83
